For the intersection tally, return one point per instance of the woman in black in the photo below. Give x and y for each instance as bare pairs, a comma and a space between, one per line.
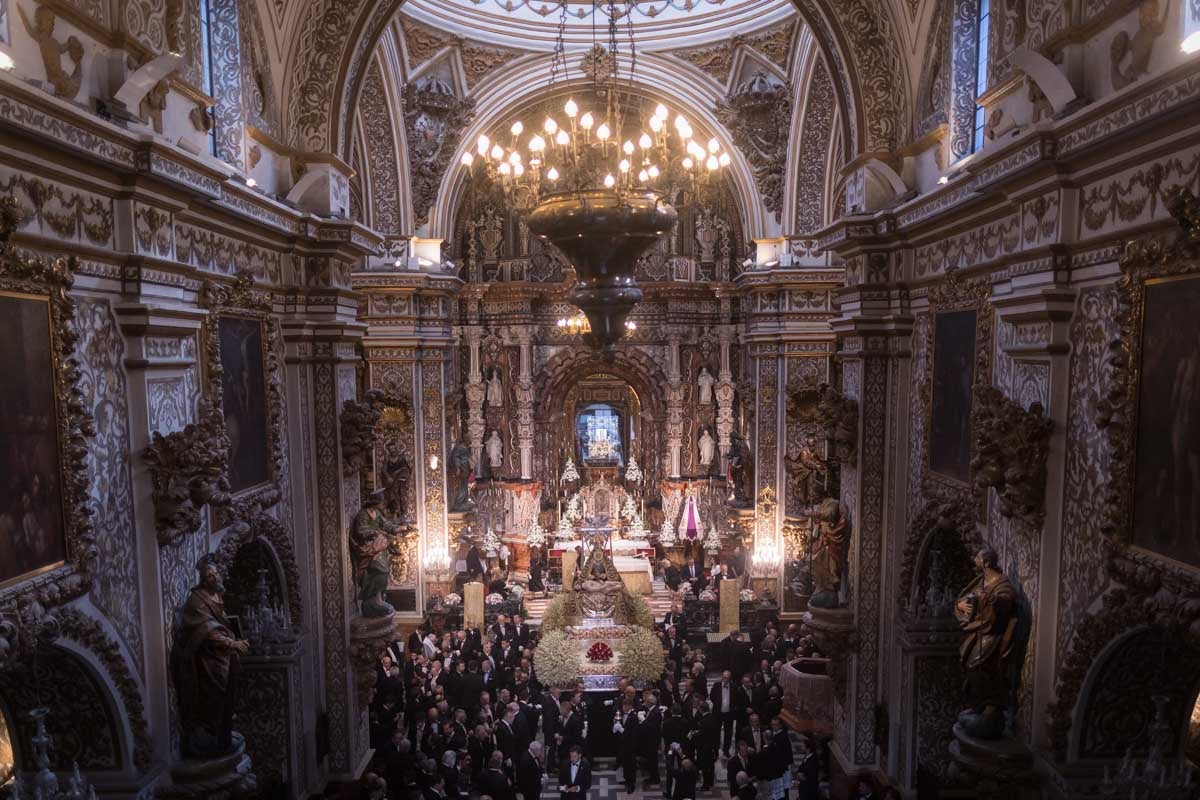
535, 570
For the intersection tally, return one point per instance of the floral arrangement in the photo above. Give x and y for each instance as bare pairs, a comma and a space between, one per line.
637, 528
712, 542
494, 599
570, 473
666, 536
633, 473
562, 612
748, 595
708, 596
608, 632
452, 599
599, 652
573, 512
535, 535
642, 656
556, 660
630, 609
685, 588
491, 542
629, 509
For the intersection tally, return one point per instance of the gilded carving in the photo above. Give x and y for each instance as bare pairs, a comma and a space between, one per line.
1011, 447
66, 85
434, 119
837, 416
758, 114
188, 471
359, 420
1137, 47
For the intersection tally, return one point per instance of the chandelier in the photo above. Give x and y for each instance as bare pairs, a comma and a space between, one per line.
593, 180
579, 324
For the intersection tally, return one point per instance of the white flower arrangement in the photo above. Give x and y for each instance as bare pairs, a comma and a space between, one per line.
565, 529
642, 656
453, 599
491, 542
666, 536
637, 528
556, 659
633, 473
748, 595
708, 595
535, 535
712, 542
573, 512
494, 599
569, 473
629, 508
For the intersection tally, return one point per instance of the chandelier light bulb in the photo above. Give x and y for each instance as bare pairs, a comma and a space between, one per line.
602, 133
514, 158
550, 126
627, 147
552, 174
688, 163
685, 132
680, 122
482, 144
518, 170
570, 109
724, 159
711, 163
497, 152
624, 165
537, 144
587, 120
714, 146
656, 124
609, 181
643, 176
516, 128
504, 169
653, 171
467, 159
645, 141
563, 138
661, 113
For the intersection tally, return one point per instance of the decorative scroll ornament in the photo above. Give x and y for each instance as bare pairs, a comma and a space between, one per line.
838, 417
1011, 446
434, 119
41, 30
359, 420
188, 470
758, 114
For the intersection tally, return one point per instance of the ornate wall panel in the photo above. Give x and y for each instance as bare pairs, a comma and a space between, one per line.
213, 252
226, 65
937, 683
819, 108
1135, 196
57, 211
919, 399
102, 381
258, 84
380, 134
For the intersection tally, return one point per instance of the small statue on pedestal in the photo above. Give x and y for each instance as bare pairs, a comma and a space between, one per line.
206, 660
369, 554
828, 553
987, 615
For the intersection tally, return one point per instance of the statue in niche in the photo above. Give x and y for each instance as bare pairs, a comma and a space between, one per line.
1139, 46
987, 615
829, 541
369, 554
42, 31
495, 450
705, 382
393, 479
462, 479
207, 660
495, 389
807, 473
739, 471
708, 448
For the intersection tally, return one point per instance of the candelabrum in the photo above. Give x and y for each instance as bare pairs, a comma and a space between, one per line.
570, 473
45, 784
1158, 776
436, 565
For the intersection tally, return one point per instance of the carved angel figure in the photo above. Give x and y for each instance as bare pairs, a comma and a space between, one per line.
42, 31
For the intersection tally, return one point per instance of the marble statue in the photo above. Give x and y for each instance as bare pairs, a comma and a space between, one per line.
369, 554
495, 390
706, 381
206, 657
708, 448
987, 615
828, 553
495, 450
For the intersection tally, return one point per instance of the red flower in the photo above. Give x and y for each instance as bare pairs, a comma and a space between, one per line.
599, 651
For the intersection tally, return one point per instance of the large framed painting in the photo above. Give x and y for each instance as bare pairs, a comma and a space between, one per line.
32, 526
244, 400
953, 379
1166, 495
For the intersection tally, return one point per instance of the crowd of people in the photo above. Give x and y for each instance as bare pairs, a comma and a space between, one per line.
462, 714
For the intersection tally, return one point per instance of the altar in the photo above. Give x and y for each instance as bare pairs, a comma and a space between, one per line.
632, 558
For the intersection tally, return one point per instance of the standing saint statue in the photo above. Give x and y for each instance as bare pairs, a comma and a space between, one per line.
806, 474
370, 557
495, 389
206, 657
708, 448
828, 553
495, 450
394, 478
987, 615
706, 381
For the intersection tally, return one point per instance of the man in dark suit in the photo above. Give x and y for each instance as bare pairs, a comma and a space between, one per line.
684, 781
480, 748
502, 629
625, 725
506, 737
520, 637
745, 786
708, 729
649, 736
726, 706
808, 786
673, 644
745, 699
575, 777
753, 733
436, 791
550, 723
739, 762
493, 782
474, 563
530, 770
570, 729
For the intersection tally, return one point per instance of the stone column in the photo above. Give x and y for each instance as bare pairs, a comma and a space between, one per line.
724, 393
473, 605
476, 392
674, 407
524, 392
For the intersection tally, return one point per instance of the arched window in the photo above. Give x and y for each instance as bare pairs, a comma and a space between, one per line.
598, 435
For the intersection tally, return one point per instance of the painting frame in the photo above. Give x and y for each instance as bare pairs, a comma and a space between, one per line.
49, 281
956, 294
1152, 261
241, 301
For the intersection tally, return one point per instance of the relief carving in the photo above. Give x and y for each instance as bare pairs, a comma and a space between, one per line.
837, 415
66, 85
1137, 47
434, 119
1011, 446
359, 419
758, 114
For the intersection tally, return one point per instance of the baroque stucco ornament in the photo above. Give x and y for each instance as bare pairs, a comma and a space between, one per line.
1011, 446
758, 114
837, 415
434, 119
359, 420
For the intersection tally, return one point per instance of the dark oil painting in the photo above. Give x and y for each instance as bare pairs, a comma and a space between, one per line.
1166, 505
953, 377
244, 400
32, 530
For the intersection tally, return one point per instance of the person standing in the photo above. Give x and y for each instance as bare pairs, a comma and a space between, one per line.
684, 781
739, 762
575, 777
725, 702
649, 736
530, 770
625, 726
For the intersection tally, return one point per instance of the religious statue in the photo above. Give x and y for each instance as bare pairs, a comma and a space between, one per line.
369, 554
806, 476
461, 479
598, 585
393, 479
828, 553
708, 448
495, 450
495, 389
706, 381
206, 658
987, 615
739, 471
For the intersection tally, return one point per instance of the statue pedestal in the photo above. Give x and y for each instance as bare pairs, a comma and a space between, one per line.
369, 637
473, 605
731, 606
1000, 769
837, 638
224, 777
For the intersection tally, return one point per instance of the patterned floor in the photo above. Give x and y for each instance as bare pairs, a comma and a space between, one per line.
660, 603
